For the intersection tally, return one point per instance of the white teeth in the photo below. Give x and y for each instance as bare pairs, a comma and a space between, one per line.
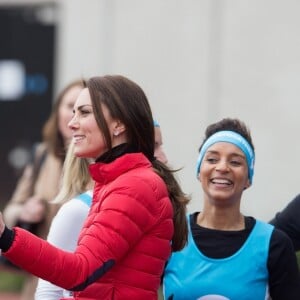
77, 138
221, 181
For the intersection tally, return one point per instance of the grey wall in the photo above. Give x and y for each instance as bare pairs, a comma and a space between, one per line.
199, 61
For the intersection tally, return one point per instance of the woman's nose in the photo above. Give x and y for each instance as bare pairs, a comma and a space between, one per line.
73, 123
222, 165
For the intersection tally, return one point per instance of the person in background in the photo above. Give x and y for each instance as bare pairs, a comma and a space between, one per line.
75, 196
138, 210
288, 220
229, 255
158, 150
29, 205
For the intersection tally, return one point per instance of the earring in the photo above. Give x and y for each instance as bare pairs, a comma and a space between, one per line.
116, 133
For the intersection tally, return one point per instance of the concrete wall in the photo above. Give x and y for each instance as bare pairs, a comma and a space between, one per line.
199, 61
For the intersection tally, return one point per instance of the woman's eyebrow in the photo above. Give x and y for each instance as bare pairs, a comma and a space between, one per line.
83, 105
231, 154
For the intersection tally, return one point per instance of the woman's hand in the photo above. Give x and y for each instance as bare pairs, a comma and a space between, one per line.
33, 210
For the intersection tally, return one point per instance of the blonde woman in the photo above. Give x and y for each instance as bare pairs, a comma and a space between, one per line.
75, 197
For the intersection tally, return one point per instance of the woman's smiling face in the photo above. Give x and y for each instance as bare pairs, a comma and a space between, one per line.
224, 172
87, 137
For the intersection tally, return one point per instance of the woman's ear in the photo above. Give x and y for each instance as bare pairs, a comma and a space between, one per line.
199, 177
248, 184
119, 128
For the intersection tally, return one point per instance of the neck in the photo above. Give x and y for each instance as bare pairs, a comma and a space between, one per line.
221, 220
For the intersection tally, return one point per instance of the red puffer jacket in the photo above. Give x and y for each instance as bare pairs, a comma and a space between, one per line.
124, 243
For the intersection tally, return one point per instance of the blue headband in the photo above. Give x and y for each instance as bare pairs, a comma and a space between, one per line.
235, 139
155, 123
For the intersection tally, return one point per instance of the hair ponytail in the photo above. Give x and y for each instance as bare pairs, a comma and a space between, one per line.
179, 202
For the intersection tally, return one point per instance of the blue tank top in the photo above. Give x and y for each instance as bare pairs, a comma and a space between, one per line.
85, 198
190, 275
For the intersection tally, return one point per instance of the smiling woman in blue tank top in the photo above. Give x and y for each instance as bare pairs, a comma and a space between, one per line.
230, 255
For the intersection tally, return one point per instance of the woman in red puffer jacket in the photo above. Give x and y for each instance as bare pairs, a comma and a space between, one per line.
138, 211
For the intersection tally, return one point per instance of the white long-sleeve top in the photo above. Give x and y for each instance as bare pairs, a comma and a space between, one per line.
63, 233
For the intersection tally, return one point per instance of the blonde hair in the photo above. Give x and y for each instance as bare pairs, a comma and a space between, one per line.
75, 178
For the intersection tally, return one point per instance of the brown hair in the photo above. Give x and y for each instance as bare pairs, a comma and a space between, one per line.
128, 103
230, 124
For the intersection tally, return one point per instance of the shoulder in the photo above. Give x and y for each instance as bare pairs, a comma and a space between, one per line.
144, 179
140, 196
281, 247
136, 181
290, 212
144, 188
280, 239
74, 209
85, 198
